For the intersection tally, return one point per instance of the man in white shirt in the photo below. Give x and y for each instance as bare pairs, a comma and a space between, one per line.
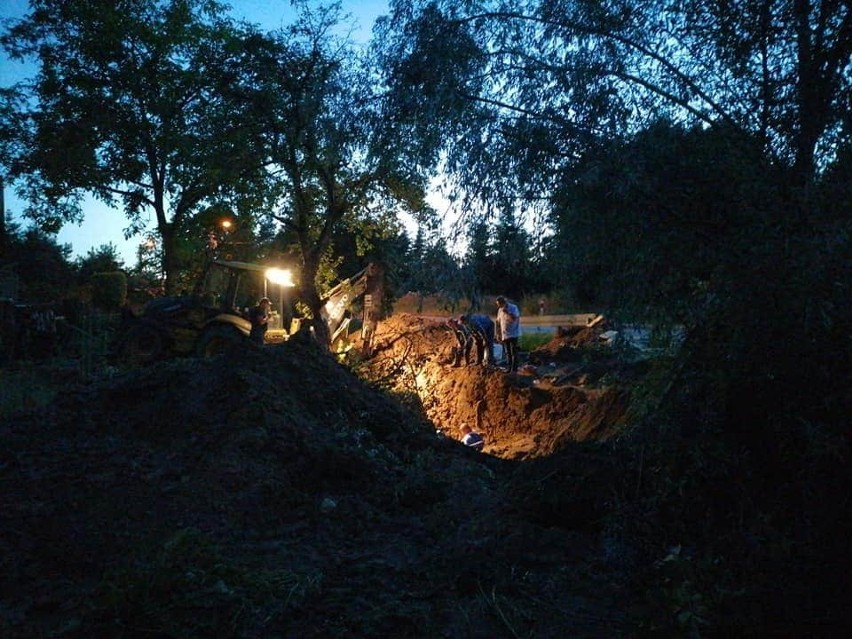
508, 330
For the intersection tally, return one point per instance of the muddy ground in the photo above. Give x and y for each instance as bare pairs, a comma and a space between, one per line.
276, 493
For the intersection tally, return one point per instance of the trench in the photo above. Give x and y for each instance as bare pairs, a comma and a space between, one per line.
533, 413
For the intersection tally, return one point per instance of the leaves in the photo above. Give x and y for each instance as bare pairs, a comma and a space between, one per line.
126, 108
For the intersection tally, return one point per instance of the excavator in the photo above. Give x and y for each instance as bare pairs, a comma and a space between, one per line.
215, 314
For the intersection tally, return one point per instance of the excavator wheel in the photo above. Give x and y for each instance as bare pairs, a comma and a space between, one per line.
142, 344
215, 339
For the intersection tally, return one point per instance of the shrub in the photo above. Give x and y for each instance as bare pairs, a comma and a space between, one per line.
109, 290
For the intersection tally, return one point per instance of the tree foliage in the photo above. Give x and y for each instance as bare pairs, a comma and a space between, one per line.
527, 91
329, 166
46, 274
434, 271
546, 78
498, 260
659, 223
103, 259
127, 107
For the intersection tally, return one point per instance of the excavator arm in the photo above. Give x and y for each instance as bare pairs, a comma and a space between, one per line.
335, 310
367, 283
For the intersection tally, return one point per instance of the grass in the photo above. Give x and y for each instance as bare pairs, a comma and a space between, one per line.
531, 341
190, 587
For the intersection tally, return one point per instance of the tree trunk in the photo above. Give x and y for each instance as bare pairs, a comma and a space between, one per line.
808, 107
2, 218
169, 258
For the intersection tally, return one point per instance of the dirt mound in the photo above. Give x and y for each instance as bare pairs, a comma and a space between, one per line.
568, 342
536, 412
271, 492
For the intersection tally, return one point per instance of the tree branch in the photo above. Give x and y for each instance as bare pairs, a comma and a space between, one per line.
688, 82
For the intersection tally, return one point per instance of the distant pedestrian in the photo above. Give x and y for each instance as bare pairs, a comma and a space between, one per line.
481, 328
541, 306
508, 330
472, 439
259, 318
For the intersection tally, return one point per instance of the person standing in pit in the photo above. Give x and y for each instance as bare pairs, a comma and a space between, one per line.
464, 342
482, 329
472, 439
508, 330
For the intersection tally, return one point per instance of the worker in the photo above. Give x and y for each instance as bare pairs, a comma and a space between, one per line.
464, 341
472, 439
482, 330
259, 318
508, 330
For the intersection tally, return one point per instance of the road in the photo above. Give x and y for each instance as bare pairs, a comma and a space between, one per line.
549, 323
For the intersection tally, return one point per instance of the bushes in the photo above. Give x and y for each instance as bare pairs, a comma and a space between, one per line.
109, 290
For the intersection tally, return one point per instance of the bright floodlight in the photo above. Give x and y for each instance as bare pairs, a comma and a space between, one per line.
280, 276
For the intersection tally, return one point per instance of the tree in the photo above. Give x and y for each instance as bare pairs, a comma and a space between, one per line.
477, 265
518, 96
511, 259
539, 82
329, 165
104, 259
43, 266
657, 223
544, 94
433, 270
127, 107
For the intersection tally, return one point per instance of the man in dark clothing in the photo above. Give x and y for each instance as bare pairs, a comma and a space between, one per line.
481, 328
464, 342
259, 318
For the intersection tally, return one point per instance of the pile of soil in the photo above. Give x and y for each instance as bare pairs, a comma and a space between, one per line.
273, 492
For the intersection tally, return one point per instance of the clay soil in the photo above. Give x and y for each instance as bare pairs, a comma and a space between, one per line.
277, 493
561, 394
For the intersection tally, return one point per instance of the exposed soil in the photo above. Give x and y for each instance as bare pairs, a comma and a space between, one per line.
557, 397
273, 493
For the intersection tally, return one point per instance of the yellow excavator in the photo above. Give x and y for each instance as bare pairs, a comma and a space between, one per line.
215, 314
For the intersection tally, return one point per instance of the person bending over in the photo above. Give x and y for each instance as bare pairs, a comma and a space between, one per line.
482, 329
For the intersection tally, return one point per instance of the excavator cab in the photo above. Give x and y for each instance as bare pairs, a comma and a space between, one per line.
206, 321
